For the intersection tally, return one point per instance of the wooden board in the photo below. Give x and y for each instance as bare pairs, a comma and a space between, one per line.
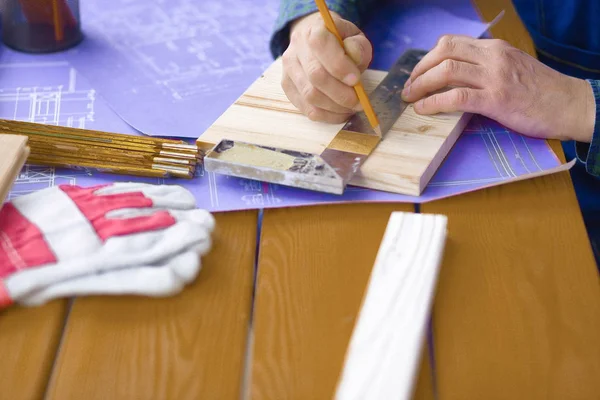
189, 346
403, 162
29, 341
517, 313
391, 328
313, 269
13, 154
517, 316
29, 337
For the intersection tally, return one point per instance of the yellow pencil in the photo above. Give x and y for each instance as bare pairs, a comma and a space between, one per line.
360, 90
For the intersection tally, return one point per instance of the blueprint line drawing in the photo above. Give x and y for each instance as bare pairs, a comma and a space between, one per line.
55, 93
190, 59
60, 104
189, 48
193, 60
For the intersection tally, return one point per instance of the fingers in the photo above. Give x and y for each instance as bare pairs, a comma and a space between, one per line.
345, 28
360, 50
319, 72
458, 99
456, 61
313, 112
455, 47
448, 73
317, 87
325, 50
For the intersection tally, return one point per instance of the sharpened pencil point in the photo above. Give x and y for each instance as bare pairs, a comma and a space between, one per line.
377, 130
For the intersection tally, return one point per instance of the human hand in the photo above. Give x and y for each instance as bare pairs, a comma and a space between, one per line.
318, 76
494, 79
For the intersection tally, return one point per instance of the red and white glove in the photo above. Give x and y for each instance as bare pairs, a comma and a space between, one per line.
122, 238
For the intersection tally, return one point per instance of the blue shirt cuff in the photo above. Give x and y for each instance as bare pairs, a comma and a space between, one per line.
290, 10
589, 153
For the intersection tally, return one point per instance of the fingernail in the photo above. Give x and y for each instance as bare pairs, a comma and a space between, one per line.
350, 80
407, 83
406, 91
419, 105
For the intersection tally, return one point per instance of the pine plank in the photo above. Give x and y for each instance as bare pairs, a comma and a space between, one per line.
391, 327
13, 154
192, 345
314, 266
403, 162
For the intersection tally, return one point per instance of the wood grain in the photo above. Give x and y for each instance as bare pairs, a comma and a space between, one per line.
314, 266
29, 340
391, 326
403, 162
518, 305
29, 337
518, 308
189, 346
510, 27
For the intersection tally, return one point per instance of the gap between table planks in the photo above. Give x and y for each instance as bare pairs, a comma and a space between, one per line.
314, 266
192, 345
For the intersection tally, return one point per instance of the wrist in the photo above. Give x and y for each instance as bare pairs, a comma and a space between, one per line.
583, 115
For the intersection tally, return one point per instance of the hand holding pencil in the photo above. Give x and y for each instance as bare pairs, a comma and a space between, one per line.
319, 74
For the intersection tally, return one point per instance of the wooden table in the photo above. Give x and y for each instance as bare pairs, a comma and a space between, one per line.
517, 312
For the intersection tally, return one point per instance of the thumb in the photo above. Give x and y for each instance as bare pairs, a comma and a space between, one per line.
360, 50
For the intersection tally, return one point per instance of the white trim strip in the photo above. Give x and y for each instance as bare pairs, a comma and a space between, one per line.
384, 352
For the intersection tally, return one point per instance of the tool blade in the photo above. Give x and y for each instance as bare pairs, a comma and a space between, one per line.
273, 165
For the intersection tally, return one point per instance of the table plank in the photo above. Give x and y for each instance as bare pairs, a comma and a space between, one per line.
518, 306
29, 339
314, 266
510, 28
191, 345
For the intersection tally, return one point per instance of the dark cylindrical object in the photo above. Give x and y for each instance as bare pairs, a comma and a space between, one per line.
41, 26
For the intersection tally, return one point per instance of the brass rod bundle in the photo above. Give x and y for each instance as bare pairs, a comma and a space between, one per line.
67, 147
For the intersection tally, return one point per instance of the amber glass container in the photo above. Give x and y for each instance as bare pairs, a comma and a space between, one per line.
41, 26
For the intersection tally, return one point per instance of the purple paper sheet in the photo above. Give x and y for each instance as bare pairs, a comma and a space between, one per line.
47, 89
191, 59
171, 68
398, 25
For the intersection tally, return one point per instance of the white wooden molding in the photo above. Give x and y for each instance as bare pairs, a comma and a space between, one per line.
383, 355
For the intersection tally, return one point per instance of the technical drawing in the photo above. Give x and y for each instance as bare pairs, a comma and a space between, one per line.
188, 48
33, 178
60, 104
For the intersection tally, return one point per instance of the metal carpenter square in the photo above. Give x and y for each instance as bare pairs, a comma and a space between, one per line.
331, 170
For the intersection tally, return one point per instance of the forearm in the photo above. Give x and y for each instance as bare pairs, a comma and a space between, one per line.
290, 10
589, 153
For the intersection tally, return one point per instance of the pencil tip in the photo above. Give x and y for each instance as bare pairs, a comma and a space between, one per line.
377, 130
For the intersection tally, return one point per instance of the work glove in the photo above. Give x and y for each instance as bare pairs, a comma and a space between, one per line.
121, 238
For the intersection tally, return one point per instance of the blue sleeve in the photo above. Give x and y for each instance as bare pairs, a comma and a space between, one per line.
289, 10
589, 153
